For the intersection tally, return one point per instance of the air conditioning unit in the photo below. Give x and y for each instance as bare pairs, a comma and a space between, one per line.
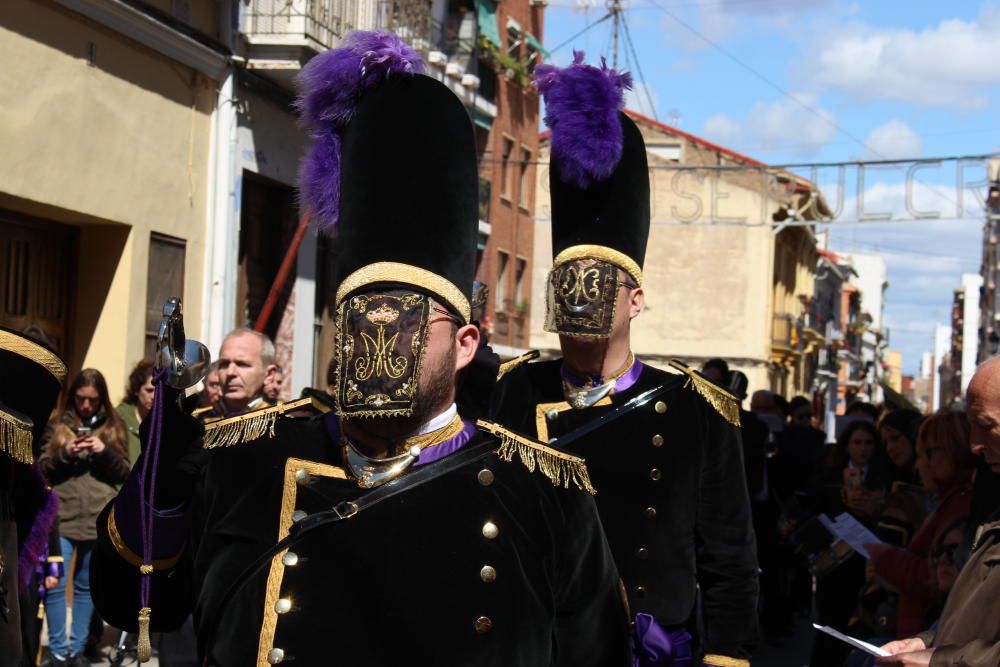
470, 81
454, 70
437, 58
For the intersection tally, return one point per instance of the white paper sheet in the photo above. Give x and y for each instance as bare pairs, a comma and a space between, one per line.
856, 643
845, 527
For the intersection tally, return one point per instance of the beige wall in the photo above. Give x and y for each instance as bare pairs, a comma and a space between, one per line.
708, 287
118, 146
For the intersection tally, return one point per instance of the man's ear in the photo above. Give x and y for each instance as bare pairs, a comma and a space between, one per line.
636, 301
466, 344
269, 372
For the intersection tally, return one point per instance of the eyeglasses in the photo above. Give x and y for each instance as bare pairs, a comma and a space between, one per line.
945, 549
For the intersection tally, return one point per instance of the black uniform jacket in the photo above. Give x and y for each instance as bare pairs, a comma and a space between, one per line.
671, 493
419, 579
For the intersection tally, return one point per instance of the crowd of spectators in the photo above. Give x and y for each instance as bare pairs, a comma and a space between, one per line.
912, 480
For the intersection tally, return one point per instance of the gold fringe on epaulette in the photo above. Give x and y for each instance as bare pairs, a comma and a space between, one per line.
511, 364
234, 430
720, 399
561, 468
15, 437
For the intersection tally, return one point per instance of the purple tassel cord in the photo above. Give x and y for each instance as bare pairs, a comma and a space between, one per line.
36, 544
581, 109
330, 86
147, 493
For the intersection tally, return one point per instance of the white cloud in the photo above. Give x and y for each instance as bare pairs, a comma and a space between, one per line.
950, 64
768, 125
894, 140
723, 130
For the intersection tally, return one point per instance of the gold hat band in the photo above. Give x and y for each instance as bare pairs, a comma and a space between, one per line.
32, 351
395, 272
603, 253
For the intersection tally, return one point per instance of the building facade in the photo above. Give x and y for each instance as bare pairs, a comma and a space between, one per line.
729, 265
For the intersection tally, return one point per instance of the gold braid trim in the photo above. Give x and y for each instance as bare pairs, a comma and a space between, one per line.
252, 425
603, 253
407, 274
131, 557
15, 437
561, 468
724, 661
32, 351
511, 364
720, 399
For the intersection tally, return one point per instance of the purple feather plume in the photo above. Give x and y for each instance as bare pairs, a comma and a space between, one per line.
330, 86
36, 541
581, 109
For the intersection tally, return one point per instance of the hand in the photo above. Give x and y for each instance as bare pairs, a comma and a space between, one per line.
904, 645
862, 501
93, 443
875, 551
910, 659
51, 582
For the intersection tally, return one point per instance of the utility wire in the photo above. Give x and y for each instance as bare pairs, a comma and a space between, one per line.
638, 68
561, 45
765, 79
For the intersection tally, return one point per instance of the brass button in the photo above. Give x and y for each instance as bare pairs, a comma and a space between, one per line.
657, 440
275, 655
642, 553
640, 591
302, 477
650, 513
660, 407
298, 515
655, 474
485, 477
290, 559
283, 605
552, 414
490, 530
488, 574
483, 625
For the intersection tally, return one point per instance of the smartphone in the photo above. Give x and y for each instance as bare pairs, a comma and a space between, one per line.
83, 431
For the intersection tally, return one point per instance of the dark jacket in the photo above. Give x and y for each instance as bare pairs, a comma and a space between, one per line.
84, 485
672, 495
403, 583
968, 634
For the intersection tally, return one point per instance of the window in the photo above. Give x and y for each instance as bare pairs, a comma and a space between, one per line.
503, 259
519, 269
523, 185
508, 151
672, 151
165, 278
513, 39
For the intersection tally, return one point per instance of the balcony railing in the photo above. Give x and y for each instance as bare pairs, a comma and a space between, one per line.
786, 331
320, 21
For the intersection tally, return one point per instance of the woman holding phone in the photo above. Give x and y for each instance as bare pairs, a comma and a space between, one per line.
85, 457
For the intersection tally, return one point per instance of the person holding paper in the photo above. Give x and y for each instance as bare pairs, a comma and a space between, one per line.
968, 634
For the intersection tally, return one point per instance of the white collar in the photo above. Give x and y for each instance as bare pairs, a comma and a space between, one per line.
438, 422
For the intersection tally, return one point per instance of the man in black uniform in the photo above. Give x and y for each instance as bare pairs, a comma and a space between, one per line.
669, 476
486, 561
32, 378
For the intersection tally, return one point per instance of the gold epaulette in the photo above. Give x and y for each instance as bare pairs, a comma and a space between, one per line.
720, 399
724, 661
252, 425
15, 437
511, 364
198, 412
561, 468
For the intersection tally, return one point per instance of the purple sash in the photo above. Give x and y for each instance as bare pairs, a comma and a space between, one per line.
656, 647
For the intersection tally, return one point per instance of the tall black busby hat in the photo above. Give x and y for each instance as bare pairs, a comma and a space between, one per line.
598, 174
32, 376
405, 172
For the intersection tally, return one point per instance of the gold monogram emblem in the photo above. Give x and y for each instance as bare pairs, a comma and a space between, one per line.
580, 287
380, 357
384, 314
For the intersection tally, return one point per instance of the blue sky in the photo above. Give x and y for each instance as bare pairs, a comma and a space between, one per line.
886, 79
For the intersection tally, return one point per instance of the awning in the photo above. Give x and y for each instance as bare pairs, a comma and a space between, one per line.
535, 44
486, 14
